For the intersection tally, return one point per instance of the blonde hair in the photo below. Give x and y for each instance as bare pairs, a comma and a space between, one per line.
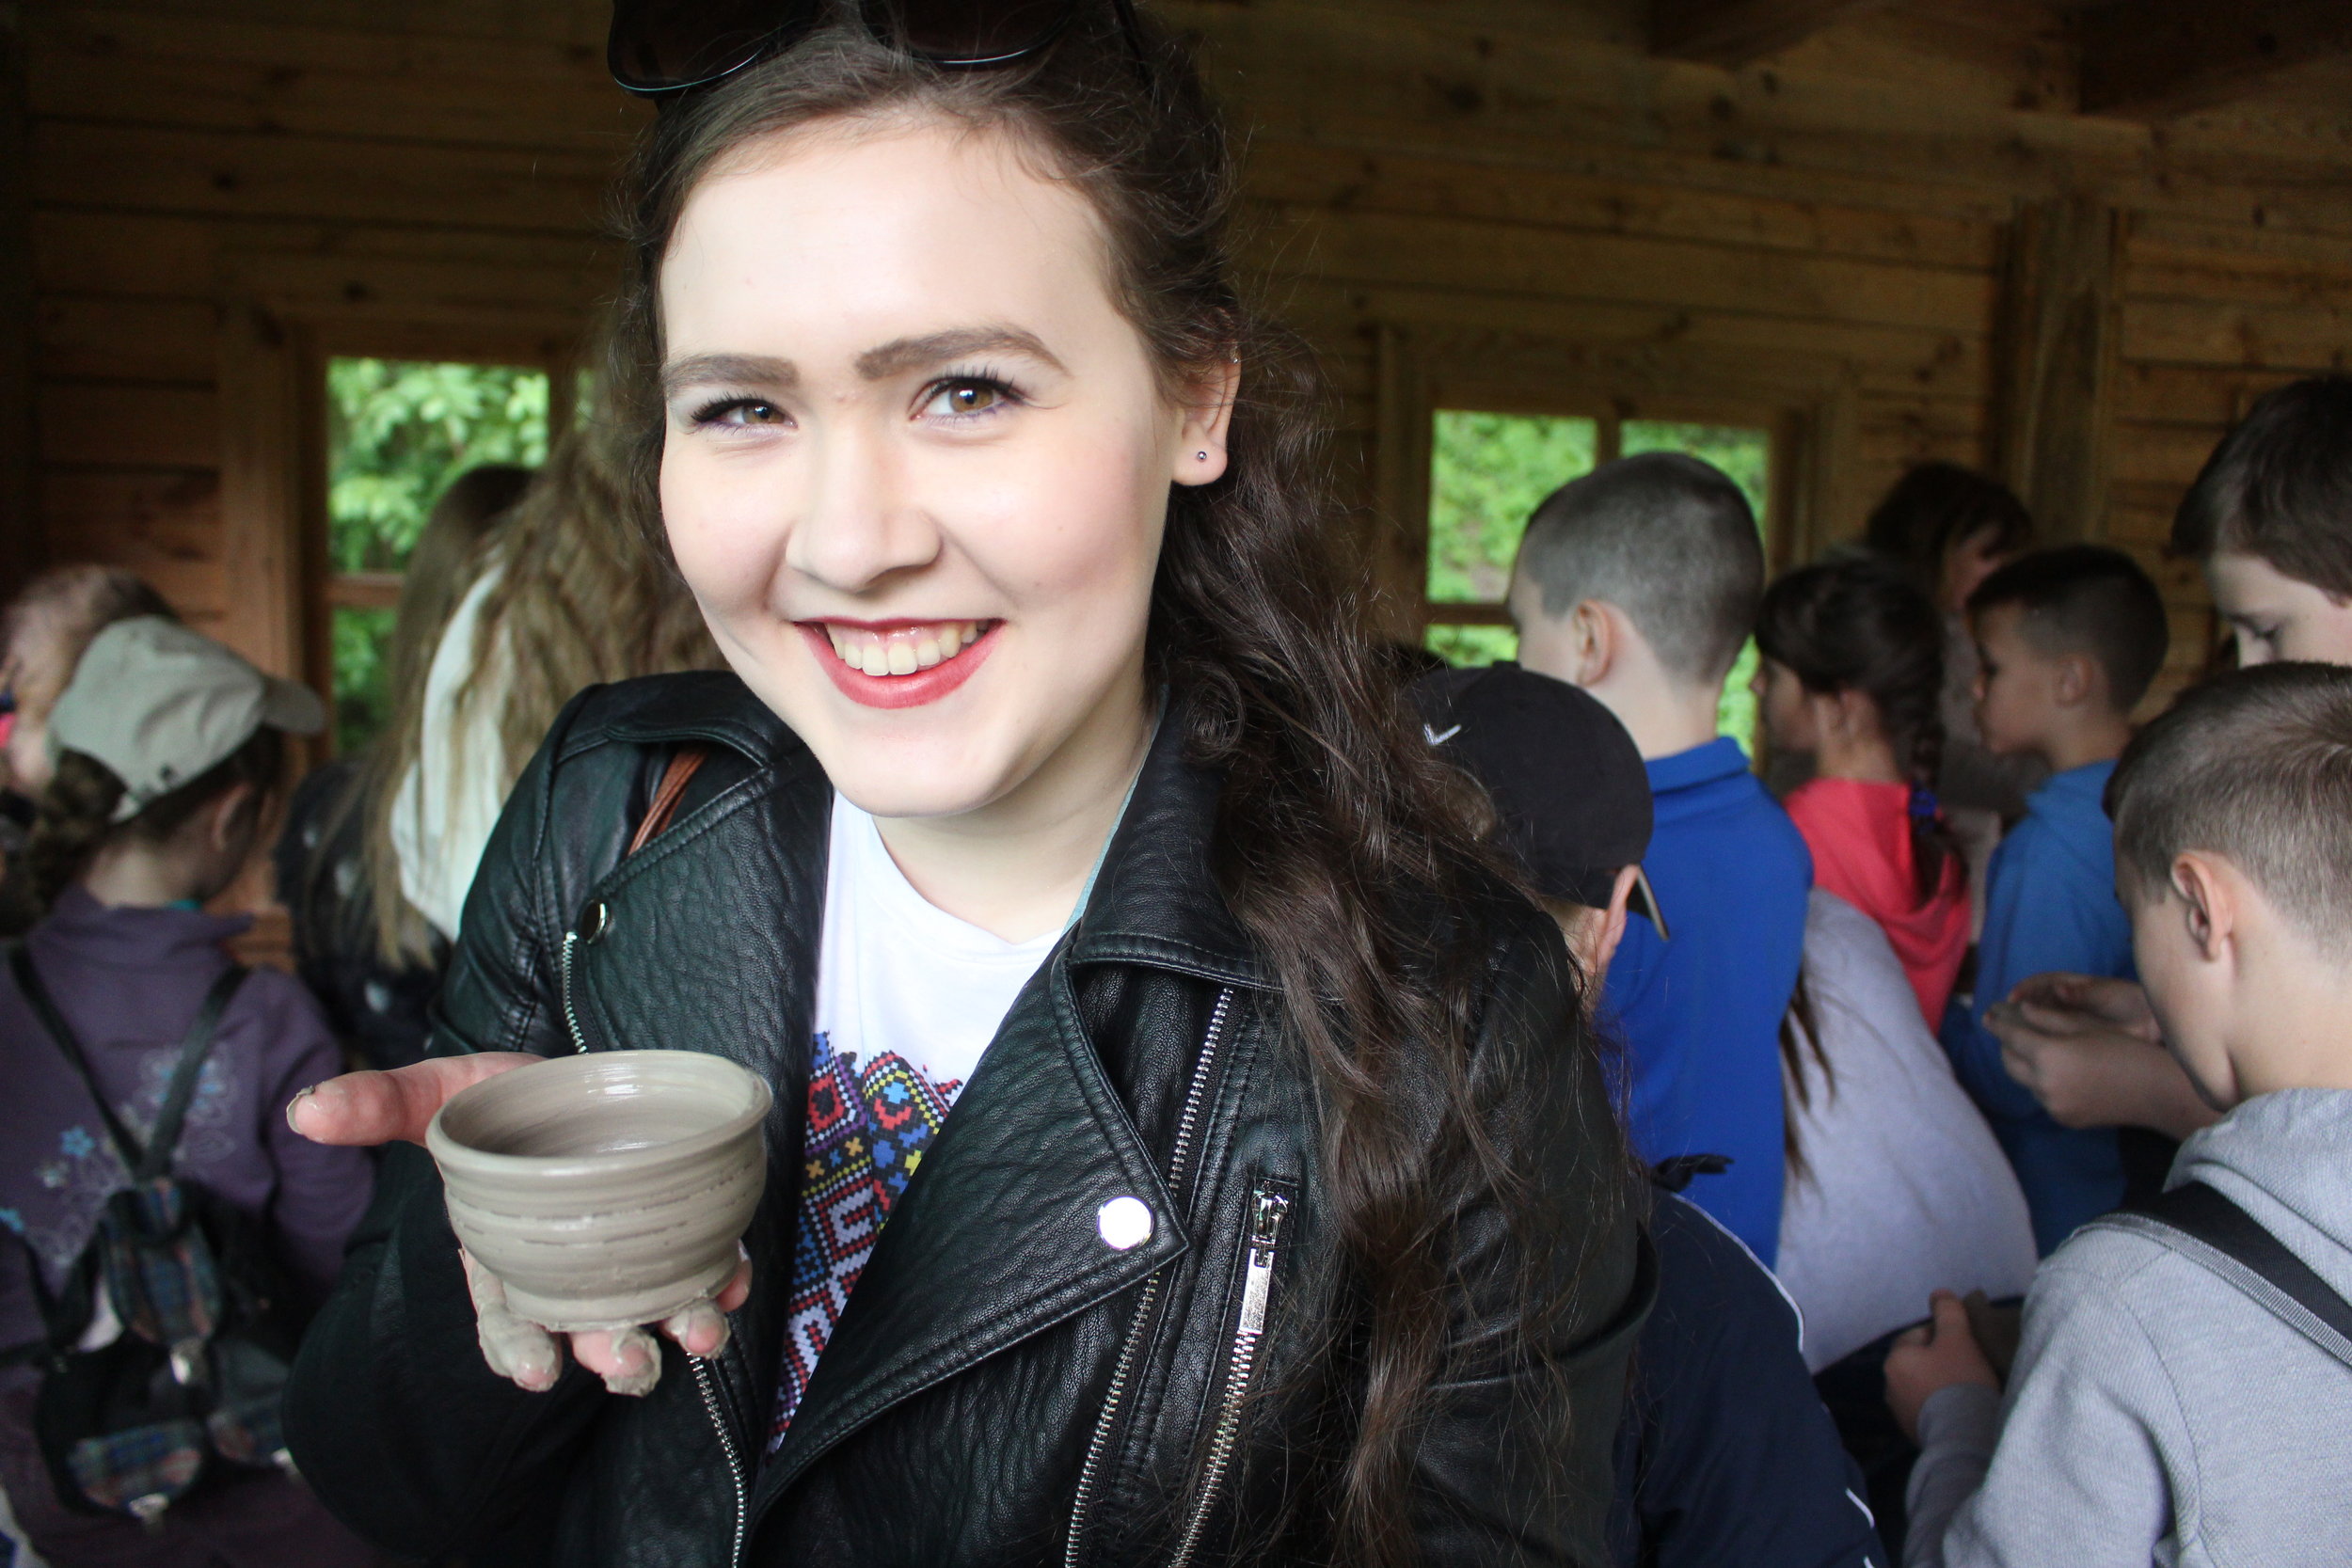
582, 597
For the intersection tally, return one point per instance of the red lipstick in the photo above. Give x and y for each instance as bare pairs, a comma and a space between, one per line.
892, 691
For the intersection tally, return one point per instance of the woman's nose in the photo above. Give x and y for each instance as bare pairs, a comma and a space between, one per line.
858, 521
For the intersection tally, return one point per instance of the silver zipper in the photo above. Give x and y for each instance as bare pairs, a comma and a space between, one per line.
701, 1367
579, 1040
726, 1442
1089, 1472
1267, 1211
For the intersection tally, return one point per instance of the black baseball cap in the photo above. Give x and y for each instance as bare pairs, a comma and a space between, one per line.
1567, 780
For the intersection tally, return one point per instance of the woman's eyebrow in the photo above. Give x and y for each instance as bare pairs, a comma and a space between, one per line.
757, 370
906, 353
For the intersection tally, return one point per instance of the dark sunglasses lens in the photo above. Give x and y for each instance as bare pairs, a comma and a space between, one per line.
976, 32
662, 45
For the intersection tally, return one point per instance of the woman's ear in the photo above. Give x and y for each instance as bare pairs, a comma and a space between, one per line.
1208, 420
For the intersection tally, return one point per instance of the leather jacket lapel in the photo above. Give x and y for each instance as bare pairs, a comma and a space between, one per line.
999, 1234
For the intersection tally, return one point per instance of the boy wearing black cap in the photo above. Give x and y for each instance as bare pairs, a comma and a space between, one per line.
1725, 1457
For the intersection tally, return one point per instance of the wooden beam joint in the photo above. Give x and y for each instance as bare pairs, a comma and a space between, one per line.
2155, 57
1741, 32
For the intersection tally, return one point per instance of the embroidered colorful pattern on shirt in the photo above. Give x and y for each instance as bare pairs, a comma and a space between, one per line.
867, 1134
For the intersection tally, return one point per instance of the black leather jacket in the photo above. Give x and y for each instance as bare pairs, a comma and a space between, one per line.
1004, 1388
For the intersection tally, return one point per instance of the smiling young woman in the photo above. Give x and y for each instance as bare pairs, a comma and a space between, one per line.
1059, 854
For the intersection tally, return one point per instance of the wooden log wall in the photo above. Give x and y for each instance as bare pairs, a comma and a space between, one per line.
1512, 201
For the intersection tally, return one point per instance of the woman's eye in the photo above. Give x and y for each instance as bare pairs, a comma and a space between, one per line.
737, 413
966, 396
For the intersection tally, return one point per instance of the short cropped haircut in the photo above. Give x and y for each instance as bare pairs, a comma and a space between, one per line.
2254, 766
2279, 488
1666, 538
2086, 599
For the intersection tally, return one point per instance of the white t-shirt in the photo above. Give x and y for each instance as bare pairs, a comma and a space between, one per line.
1905, 1191
896, 974
908, 999
451, 796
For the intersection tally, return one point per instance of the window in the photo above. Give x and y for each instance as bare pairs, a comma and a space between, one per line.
1488, 470
398, 432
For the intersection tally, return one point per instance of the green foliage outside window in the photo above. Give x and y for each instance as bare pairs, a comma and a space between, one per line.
1489, 471
1486, 473
398, 432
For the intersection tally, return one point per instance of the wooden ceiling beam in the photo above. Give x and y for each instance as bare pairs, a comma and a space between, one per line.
2145, 58
1740, 32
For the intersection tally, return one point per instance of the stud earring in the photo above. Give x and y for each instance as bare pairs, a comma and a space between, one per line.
1202, 455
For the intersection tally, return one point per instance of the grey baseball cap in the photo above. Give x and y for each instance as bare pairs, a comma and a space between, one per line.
162, 705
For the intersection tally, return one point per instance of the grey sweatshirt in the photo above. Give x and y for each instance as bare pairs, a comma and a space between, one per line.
2155, 1414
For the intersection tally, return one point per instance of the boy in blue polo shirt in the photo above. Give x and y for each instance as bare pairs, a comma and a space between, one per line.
2069, 640
1639, 583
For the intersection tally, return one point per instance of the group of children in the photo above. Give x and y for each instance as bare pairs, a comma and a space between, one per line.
1900, 1084
1879, 1077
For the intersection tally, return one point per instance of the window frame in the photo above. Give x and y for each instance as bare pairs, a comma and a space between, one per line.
1806, 403
328, 590
284, 315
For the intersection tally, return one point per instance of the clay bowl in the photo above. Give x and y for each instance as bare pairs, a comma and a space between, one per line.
604, 1189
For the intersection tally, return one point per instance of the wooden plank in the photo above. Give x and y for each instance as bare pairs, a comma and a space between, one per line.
1380, 248
2197, 395
1881, 358
1741, 32
123, 70
166, 527
2159, 454
129, 426
79, 165
272, 481
2253, 240
1303, 73
2057, 355
104, 339
2159, 57
385, 44
19, 547
1301, 173
157, 254
2314, 337
2157, 271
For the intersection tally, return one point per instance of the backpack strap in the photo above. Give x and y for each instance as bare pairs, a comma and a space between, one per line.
164, 1141
2203, 1226
681, 771
145, 1162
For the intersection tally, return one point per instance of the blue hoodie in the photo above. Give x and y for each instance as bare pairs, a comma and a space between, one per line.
1700, 1014
2050, 904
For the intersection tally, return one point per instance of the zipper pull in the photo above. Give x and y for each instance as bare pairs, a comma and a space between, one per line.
1267, 1213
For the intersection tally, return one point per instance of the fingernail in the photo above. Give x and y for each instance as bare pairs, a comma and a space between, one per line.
296, 1104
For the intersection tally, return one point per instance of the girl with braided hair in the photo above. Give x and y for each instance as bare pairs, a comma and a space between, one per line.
1851, 675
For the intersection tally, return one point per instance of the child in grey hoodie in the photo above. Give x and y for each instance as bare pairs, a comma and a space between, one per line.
2159, 1412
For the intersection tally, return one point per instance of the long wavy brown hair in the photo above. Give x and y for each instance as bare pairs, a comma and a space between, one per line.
1351, 856
582, 596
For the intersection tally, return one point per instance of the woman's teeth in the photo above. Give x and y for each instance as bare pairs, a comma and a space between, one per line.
902, 650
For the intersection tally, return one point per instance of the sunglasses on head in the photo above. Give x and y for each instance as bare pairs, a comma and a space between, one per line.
659, 49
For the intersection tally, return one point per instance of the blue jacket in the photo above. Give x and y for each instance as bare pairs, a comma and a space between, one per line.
1725, 1457
2050, 904
1699, 1015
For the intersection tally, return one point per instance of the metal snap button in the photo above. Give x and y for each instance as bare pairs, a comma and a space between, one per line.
1124, 1223
593, 919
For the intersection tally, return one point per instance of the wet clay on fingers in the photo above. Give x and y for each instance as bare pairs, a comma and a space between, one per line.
604, 1190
